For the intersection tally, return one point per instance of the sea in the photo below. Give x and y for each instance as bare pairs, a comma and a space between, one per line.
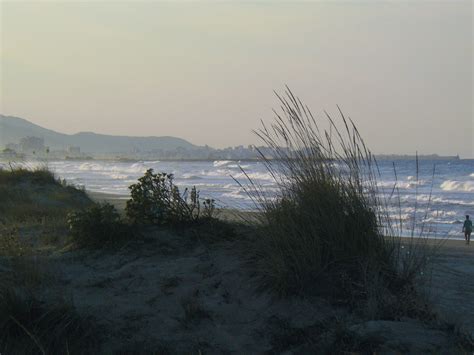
431, 200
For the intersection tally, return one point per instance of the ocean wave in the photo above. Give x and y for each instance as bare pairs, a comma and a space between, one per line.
433, 200
461, 186
189, 176
237, 195
242, 166
409, 184
119, 176
91, 167
219, 163
254, 176
433, 220
136, 168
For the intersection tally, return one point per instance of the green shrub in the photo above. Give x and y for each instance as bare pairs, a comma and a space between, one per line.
155, 199
323, 233
98, 225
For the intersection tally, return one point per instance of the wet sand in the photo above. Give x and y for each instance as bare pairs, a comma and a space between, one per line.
119, 201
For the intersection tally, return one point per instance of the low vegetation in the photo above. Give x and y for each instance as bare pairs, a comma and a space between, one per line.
35, 204
99, 225
155, 199
30, 324
36, 195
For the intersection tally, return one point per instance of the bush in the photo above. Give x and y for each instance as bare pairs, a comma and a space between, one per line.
324, 232
98, 225
156, 200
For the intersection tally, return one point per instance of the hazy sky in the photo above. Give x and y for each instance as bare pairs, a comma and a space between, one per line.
205, 71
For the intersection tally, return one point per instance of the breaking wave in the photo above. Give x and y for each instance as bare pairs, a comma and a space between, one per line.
461, 186
416, 201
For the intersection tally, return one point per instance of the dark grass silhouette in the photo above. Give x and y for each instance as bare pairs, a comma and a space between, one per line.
32, 324
327, 232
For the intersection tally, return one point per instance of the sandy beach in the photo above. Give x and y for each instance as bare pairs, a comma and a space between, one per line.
119, 201
450, 285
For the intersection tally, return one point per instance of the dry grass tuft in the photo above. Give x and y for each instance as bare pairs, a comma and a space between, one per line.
328, 231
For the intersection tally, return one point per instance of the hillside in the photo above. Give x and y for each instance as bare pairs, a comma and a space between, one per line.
12, 129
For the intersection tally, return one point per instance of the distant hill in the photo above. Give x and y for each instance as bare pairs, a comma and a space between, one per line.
12, 129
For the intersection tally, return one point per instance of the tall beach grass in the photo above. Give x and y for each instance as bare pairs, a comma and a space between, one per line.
328, 231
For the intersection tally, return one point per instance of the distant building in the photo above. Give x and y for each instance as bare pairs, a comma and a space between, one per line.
32, 144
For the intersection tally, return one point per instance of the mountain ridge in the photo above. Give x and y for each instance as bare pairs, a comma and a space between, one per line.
13, 128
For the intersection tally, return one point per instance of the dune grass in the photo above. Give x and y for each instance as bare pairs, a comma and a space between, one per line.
36, 194
34, 204
32, 325
18, 175
328, 233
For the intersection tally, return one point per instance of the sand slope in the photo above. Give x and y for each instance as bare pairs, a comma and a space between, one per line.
182, 296
172, 293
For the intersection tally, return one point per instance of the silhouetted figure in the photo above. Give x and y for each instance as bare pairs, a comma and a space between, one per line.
467, 229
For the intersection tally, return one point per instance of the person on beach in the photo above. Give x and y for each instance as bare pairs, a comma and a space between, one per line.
467, 229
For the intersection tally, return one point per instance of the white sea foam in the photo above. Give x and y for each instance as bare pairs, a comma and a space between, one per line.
254, 176
401, 184
237, 194
119, 176
219, 163
90, 167
190, 176
461, 186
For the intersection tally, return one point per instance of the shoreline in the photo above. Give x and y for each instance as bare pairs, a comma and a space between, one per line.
116, 200
120, 201
257, 159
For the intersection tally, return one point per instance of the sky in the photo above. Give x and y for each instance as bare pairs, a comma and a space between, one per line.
206, 71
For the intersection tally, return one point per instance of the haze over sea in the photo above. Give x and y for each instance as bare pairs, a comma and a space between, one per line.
441, 215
